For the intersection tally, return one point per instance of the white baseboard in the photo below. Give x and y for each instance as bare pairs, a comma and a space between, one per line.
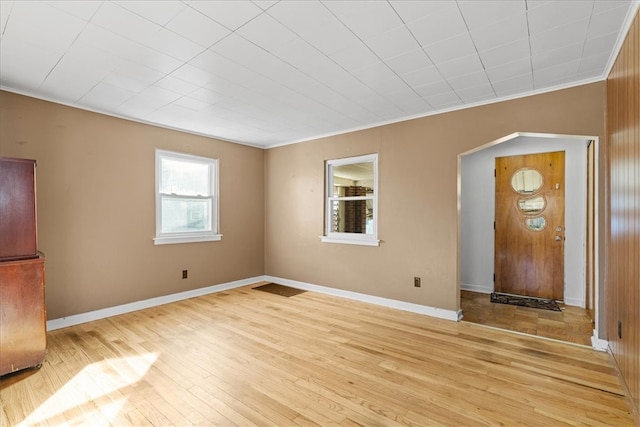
574, 302
386, 302
599, 344
476, 288
76, 319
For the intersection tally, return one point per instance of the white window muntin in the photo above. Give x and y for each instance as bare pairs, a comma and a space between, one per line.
202, 199
369, 239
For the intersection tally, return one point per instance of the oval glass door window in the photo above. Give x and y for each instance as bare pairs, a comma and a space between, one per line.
536, 224
532, 206
526, 181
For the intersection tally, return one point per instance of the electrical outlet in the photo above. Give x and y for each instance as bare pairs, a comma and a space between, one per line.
416, 282
184, 274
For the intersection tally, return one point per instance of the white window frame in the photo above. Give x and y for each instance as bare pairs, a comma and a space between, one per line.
195, 236
350, 238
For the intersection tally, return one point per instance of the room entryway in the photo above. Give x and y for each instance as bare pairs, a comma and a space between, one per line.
572, 324
573, 231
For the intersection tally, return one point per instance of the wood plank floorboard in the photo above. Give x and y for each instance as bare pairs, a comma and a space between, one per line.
244, 357
571, 324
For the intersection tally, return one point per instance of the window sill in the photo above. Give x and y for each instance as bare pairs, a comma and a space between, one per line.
169, 240
348, 241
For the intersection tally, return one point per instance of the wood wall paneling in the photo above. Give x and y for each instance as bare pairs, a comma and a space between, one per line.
622, 291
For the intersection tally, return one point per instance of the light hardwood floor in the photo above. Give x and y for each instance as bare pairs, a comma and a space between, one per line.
572, 324
245, 357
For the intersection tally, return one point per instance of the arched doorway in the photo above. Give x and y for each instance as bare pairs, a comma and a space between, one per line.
477, 214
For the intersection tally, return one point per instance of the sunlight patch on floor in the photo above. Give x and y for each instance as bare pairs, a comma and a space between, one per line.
100, 380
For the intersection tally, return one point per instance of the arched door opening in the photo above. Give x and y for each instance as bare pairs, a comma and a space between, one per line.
577, 319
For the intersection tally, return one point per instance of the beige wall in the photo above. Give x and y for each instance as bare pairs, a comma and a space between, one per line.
96, 201
417, 195
96, 206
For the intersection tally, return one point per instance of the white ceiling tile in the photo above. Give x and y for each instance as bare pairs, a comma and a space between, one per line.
125, 23
411, 11
408, 101
120, 46
555, 74
392, 85
80, 9
514, 85
161, 95
354, 57
476, 93
142, 105
556, 56
460, 66
268, 72
140, 30
392, 43
160, 12
486, 13
598, 45
176, 85
43, 26
191, 103
133, 77
105, 96
444, 100
80, 69
594, 64
231, 14
379, 16
174, 45
239, 50
313, 22
608, 20
24, 66
409, 62
422, 76
492, 36
449, 49
564, 35
443, 24
557, 13
510, 69
207, 96
330, 37
265, 4
5, 10
193, 74
509, 52
266, 32
467, 81
381, 106
434, 88
197, 27
602, 5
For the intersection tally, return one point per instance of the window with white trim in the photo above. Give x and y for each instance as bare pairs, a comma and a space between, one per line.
186, 198
351, 203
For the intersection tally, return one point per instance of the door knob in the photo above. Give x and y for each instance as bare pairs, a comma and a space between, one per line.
558, 238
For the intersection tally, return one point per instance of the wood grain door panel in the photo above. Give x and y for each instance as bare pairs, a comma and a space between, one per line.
530, 262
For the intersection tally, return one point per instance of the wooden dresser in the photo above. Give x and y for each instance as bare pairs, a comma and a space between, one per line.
22, 305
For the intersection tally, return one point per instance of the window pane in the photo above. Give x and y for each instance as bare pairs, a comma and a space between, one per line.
185, 178
352, 216
354, 175
184, 215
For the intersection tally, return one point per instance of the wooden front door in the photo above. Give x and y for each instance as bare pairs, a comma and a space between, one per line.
529, 226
